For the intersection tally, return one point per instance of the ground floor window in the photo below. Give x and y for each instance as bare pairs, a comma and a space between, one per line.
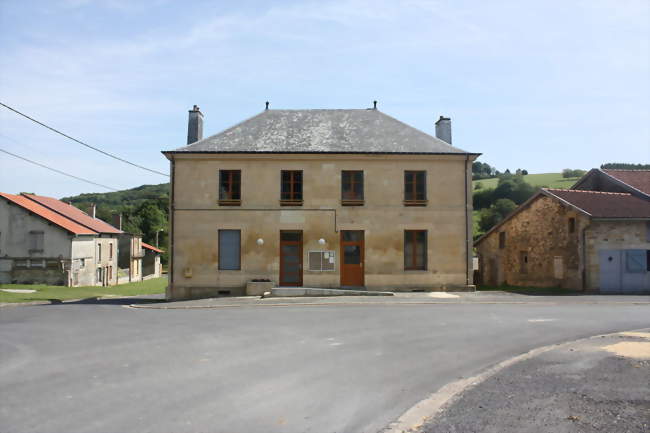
415, 250
230, 250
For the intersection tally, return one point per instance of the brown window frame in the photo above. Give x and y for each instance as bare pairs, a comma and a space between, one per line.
410, 188
293, 199
356, 188
572, 225
226, 198
413, 266
502, 240
110, 251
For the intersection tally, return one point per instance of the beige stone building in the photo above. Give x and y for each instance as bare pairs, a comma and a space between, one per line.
319, 198
574, 239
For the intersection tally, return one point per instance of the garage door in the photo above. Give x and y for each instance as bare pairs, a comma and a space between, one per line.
624, 271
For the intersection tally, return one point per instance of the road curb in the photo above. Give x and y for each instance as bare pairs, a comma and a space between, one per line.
428, 408
353, 303
65, 301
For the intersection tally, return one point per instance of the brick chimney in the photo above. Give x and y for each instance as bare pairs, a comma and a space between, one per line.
92, 210
443, 129
117, 221
195, 125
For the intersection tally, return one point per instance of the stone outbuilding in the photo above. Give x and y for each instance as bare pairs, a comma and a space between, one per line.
151, 266
319, 198
573, 239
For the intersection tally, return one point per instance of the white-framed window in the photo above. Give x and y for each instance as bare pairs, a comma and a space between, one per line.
320, 261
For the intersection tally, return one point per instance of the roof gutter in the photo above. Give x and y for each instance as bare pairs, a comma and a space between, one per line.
203, 152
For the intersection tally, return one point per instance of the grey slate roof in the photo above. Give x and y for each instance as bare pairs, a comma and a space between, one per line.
321, 131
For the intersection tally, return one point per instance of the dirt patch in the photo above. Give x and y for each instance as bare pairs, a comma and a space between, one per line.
630, 349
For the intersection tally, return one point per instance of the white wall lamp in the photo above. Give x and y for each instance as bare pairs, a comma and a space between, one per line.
321, 241
260, 242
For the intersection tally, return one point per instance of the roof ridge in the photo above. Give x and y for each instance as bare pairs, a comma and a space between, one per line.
625, 169
98, 225
587, 191
36, 208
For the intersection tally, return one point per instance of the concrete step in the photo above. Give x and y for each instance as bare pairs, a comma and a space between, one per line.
278, 292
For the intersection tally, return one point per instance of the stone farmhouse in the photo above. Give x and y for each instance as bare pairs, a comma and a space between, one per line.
44, 240
595, 236
319, 198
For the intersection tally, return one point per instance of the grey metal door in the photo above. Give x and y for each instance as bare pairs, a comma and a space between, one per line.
610, 271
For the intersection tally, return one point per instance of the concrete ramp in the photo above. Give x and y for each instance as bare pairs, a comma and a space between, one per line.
279, 292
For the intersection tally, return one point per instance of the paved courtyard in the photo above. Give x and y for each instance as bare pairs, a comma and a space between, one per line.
344, 367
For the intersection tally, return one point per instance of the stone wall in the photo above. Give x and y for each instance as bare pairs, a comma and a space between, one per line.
540, 250
612, 235
383, 218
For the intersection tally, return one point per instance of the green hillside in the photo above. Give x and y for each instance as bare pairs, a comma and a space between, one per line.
128, 197
550, 180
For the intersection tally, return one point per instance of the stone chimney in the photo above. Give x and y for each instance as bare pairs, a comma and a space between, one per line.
443, 129
117, 221
195, 125
92, 210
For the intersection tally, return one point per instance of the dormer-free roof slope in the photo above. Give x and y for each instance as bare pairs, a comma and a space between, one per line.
73, 214
639, 179
48, 214
321, 131
604, 204
151, 247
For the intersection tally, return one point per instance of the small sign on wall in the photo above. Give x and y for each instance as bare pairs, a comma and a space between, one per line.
320, 261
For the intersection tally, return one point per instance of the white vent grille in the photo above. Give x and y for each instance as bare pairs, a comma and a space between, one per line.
322, 261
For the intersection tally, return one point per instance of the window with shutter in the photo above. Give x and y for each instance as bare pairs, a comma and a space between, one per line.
36, 241
230, 250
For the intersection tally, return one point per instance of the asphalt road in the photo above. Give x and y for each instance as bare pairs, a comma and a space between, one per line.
343, 368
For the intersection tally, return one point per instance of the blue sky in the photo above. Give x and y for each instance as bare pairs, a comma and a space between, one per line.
541, 85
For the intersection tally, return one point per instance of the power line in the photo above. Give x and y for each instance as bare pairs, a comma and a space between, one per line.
81, 142
57, 171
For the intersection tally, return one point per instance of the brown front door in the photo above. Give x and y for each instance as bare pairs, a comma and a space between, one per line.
291, 258
352, 256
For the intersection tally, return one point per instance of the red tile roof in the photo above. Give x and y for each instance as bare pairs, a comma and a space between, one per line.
639, 179
151, 247
48, 214
604, 204
73, 213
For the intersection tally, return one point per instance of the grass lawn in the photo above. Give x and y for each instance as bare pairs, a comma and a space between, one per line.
551, 180
45, 293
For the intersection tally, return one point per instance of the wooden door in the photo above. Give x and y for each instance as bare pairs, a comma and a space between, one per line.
352, 258
291, 258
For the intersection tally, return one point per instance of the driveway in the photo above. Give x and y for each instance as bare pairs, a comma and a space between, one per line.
296, 368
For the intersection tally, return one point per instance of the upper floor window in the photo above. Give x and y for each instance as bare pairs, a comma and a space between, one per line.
99, 252
291, 188
572, 225
229, 187
415, 188
110, 251
352, 187
36, 241
502, 240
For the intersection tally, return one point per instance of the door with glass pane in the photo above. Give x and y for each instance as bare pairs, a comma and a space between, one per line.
291, 258
352, 257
